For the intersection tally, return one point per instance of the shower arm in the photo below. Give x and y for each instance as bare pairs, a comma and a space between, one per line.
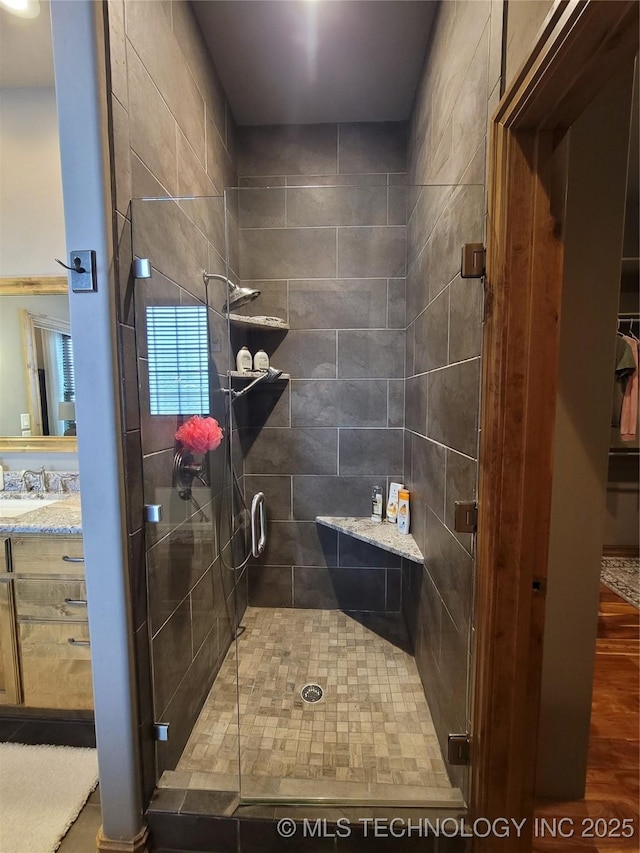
269, 375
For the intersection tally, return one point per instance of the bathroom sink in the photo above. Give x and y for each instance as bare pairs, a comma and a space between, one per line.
13, 507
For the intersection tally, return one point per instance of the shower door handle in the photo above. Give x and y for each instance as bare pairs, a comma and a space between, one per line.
258, 525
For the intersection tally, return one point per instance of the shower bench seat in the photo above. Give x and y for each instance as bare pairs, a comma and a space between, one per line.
382, 535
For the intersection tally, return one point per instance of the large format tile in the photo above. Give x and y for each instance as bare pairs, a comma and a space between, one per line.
432, 335
291, 451
307, 354
372, 251
149, 31
202, 612
331, 402
310, 149
175, 565
338, 304
416, 404
262, 208
270, 586
301, 543
370, 451
346, 589
352, 553
177, 248
333, 496
371, 354
287, 253
395, 403
451, 568
452, 416
466, 297
397, 303
462, 221
151, 125
307, 206
277, 493
462, 477
171, 655
373, 147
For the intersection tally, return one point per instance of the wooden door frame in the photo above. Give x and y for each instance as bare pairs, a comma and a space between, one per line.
582, 44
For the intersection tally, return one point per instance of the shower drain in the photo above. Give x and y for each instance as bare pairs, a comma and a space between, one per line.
312, 693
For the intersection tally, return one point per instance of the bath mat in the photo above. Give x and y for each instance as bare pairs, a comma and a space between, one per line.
42, 791
622, 575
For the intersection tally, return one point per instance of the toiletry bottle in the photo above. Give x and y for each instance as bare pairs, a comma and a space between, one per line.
403, 511
376, 504
392, 502
244, 362
261, 360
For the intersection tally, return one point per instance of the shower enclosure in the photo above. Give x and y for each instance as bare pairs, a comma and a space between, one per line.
334, 665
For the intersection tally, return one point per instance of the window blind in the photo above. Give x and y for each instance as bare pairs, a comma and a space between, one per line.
178, 360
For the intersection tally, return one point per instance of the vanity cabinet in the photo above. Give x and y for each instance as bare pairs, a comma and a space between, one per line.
9, 673
53, 645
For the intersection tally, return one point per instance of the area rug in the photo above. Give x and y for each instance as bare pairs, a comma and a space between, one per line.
42, 791
622, 575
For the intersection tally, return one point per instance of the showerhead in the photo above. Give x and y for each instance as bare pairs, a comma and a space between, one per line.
269, 375
237, 295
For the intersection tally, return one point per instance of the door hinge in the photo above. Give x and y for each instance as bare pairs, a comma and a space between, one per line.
474, 259
458, 749
466, 517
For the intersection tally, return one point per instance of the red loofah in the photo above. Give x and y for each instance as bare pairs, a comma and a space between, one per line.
200, 434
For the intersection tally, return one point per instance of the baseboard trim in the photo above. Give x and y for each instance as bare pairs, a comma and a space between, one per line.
612, 551
139, 844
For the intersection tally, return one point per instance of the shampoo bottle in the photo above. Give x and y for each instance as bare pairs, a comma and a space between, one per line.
403, 511
244, 362
261, 360
392, 502
376, 504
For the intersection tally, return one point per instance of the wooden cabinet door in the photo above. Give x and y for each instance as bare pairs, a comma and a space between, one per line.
9, 673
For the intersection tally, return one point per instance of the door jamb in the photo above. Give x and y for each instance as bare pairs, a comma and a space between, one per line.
581, 46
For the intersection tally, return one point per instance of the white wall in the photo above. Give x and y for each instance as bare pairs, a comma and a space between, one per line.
31, 212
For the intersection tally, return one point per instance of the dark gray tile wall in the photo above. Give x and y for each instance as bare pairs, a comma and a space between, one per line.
326, 246
171, 134
446, 201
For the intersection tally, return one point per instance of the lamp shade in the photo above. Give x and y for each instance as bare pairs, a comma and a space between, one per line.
66, 411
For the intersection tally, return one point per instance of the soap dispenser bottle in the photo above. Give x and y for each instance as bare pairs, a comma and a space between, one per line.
261, 360
244, 362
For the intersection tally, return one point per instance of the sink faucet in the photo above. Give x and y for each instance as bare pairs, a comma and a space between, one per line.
40, 474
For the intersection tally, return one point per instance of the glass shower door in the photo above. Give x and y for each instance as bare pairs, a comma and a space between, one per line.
182, 356
353, 661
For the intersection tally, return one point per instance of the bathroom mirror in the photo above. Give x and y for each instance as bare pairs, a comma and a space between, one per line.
36, 368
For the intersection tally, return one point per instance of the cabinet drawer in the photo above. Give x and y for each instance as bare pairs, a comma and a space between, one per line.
51, 599
47, 555
55, 672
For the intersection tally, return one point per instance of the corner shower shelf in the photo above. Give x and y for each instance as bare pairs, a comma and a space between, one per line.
253, 374
382, 535
259, 322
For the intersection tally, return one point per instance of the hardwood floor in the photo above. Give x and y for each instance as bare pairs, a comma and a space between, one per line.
613, 788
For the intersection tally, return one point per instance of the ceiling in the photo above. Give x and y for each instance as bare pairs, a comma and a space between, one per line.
307, 61
26, 57
280, 61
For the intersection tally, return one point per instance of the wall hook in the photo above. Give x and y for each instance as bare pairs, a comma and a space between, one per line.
77, 265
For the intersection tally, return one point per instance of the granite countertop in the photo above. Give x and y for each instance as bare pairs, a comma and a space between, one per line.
60, 517
382, 534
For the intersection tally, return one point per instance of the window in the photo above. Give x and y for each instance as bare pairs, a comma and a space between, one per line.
178, 360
